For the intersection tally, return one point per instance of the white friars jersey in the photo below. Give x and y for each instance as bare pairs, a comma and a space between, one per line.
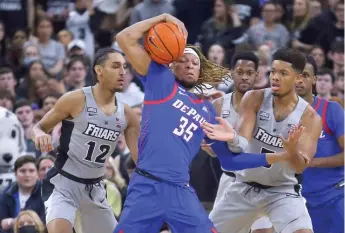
266, 139
89, 139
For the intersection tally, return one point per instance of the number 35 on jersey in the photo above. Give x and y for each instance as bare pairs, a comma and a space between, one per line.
185, 130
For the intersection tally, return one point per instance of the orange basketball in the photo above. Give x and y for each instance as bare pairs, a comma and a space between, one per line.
164, 43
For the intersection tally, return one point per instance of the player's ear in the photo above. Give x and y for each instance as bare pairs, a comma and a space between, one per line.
314, 79
98, 70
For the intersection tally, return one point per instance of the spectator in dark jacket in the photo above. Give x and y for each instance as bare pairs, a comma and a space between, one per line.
24, 194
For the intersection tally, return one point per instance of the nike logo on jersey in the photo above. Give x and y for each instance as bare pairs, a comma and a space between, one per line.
268, 139
181, 93
322, 135
189, 111
96, 131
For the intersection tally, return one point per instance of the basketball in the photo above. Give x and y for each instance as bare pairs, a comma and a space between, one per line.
164, 43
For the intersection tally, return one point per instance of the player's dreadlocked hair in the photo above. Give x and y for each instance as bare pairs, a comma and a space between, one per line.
210, 73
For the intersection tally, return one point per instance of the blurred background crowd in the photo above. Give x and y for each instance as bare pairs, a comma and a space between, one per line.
47, 48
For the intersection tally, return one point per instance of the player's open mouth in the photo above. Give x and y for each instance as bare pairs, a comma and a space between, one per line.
275, 87
299, 88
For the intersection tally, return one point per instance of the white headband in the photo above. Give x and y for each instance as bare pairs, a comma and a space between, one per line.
192, 51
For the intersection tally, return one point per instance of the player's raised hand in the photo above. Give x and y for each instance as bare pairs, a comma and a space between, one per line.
290, 144
221, 132
43, 142
178, 23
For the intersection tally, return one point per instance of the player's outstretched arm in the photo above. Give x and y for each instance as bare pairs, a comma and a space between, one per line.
132, 132
237, 140
335, 122
239, 161
128, 40
307, 145
233, 162
68, 106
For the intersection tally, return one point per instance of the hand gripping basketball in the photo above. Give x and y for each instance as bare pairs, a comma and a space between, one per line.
165, 42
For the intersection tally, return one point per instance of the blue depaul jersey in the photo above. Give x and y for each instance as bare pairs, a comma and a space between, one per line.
170, 128
319, 183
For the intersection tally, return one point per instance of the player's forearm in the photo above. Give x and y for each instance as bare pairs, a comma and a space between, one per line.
328, 162
299, 163
135, 32
230, 161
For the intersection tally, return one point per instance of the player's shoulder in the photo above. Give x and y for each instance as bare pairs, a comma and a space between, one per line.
254, 97
334, 105
310, 115
74, 96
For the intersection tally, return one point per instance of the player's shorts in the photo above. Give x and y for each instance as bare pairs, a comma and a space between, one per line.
328, 217
150, 202
63, 197
224, 183
242, 204
261, 223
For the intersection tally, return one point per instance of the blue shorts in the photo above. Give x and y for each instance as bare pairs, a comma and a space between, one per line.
328, 217
150, 203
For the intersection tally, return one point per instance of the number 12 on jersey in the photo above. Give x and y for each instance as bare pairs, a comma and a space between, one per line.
185, 129
100, 158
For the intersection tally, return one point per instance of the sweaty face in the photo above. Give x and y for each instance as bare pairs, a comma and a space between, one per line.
112, 72
283, 78
304, 85
187, 70
324, 84
244, 75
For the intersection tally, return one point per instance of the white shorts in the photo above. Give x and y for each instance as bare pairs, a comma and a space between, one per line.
64, 197
241, 205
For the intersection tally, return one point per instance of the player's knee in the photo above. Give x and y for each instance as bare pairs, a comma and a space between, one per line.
267, 230
60, 226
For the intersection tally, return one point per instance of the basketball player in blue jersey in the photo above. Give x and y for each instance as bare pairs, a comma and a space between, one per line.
323, 181
170, 138
92, 120
264, 116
